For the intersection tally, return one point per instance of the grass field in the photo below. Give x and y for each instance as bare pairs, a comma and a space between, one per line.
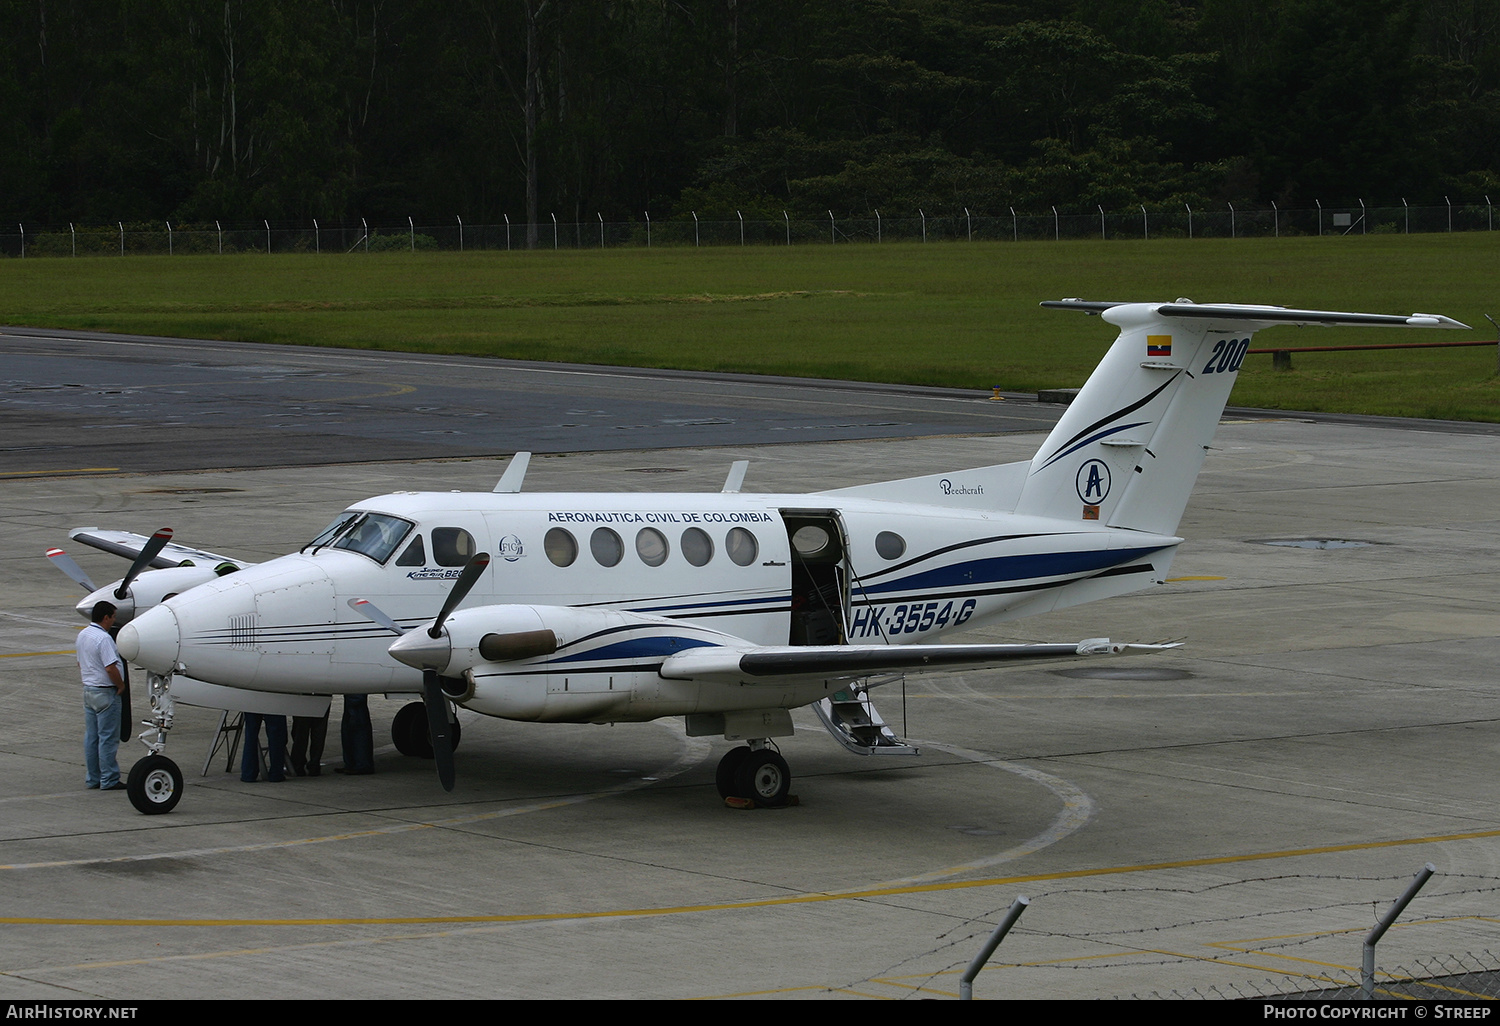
953, 314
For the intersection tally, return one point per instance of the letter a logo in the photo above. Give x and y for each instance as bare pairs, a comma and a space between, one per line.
1093, 481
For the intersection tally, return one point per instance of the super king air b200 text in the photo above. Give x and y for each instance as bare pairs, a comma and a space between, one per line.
728, 609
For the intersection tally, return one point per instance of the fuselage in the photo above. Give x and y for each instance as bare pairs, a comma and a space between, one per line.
715, 568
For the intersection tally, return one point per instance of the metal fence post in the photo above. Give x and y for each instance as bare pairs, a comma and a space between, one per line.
169, 238
122, 236
1014, 236
1145, 223
1231, 220
1367, 970
554, 231
1275, 220
970, 221
1450, 212
966, 981
1101, 220
696, 242
1364, 223
924, 223
317, 238
877, 225
74, 233
1190, 219
601, 228
788, 221
742, 226
23, 239
1056, 227
1407, 211
1320, 217
268, 235
220, 229
460, 232
648, 229
832, 235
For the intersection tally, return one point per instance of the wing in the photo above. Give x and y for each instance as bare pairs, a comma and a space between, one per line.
783, 664
128, 545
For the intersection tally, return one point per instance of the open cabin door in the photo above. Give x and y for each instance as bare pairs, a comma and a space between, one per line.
820, 576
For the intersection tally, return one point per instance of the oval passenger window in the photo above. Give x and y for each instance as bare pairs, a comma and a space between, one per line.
606, 546
560, 546
890, 545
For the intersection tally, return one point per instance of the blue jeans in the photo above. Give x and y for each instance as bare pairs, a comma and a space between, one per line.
275, 742
101, 736
358, 735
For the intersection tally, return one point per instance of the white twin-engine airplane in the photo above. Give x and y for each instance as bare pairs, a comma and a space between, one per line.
727, 609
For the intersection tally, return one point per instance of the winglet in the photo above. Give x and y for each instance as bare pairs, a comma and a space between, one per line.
510, 481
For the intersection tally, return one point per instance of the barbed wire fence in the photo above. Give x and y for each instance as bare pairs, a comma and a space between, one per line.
1311, 949
362, 236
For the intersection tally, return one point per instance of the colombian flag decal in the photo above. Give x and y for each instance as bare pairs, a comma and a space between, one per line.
1158, 345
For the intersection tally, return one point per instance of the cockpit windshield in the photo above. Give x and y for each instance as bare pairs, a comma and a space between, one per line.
371, 534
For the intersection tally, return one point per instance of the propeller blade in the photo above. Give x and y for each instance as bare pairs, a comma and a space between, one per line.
370, 611
64, 562
475, 567
438, 728
149, 551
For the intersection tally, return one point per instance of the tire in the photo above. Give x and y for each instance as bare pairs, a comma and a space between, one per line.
410, 734
409, 731
154, 785
724, 776
764, 778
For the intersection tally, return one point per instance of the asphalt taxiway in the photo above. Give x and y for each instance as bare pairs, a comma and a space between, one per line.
1212, 819
88, 401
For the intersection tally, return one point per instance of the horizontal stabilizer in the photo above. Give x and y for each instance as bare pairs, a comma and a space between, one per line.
1252, 316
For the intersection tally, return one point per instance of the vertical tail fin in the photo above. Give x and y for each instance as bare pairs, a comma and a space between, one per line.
1128, 450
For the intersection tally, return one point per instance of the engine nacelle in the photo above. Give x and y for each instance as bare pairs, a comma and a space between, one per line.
149, 589
555, 663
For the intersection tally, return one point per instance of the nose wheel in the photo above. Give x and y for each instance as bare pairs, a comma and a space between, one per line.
154, 785
759, 775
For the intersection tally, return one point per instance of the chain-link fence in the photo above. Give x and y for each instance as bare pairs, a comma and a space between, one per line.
1468, 977
359, 236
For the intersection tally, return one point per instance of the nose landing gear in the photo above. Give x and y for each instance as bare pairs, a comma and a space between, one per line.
155, 782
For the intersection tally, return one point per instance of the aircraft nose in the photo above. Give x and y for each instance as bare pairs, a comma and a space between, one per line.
152, 640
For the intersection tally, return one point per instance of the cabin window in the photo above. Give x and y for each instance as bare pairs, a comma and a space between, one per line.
697, 546
651, 546
606, 546
415, 554
451, 546
741, 546
890, 545
560, 546
375, 535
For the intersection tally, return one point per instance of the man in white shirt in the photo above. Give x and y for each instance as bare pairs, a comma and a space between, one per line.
103, 674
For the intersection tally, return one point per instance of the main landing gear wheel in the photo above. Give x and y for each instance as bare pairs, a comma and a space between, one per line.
728, 767
410, 734
154, 785
764, 778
